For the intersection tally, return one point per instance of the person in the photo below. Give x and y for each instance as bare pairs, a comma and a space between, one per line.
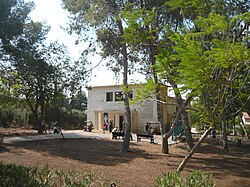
90, 127
104, 127
44, 127
115, 129
123, 126
148, 130
110, 126
213, 133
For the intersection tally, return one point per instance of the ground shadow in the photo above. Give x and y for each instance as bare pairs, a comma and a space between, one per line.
3, 149
90, 150
233, 162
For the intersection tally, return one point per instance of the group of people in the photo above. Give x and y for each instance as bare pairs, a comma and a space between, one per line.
150, 130
111, 127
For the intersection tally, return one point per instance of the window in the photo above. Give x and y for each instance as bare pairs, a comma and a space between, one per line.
109, 96
118, 96
130, 95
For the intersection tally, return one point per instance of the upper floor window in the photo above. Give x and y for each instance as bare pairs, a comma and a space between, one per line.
130, 95
118, 96
109, 96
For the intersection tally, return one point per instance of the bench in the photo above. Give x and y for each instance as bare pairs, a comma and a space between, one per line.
119, 134
145, 135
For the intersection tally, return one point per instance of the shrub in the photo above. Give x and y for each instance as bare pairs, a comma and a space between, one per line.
194, 179
15, 175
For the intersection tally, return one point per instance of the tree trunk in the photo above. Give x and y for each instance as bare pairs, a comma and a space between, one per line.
184, 115
153, 52
126, 141
165, 148
187, 129
188, 157
234, 127
224, 139
34, 110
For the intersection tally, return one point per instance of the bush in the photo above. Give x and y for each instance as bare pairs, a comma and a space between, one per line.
194, 179
15, 175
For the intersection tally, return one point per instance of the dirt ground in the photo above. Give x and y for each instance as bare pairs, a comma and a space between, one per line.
139, 167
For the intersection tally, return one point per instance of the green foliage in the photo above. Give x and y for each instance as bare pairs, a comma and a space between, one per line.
143, 91
139, 20
32, 72
13, 14
67, 119
15, 175
207, 62
194, 179
6, 117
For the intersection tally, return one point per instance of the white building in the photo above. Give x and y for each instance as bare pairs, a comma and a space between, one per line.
246, 119
105, 104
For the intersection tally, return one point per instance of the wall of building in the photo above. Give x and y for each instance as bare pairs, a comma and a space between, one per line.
141, 114
97, 106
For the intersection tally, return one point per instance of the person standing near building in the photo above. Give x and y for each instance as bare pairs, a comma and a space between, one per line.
111, 126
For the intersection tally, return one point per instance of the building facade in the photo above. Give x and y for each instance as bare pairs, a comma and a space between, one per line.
105, 103
246, 119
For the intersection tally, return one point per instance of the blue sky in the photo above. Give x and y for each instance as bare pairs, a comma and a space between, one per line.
56, 17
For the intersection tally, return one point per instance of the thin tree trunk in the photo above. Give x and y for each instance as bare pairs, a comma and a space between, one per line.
184, 115
126, 141
165, 148
224, 139
127, 133
234, 127
188, 157
38, 123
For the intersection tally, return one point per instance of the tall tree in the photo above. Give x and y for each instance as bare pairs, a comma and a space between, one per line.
104, 16
31, 68
204, 46
146, 29
35, 72
13, 16
210, 63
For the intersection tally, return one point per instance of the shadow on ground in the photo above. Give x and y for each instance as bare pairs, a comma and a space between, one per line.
89, 150
214, 158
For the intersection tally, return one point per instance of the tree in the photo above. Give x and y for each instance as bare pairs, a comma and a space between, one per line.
146, 28
210, 63
79, 101
33, 71
13, 16
35, 74
204, 48
105, 18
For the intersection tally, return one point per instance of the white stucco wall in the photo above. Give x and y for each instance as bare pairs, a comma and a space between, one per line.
97, 103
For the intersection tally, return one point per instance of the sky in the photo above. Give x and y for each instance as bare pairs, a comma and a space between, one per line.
56, 17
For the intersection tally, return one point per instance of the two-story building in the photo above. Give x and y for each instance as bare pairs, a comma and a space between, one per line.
105, 103
246, 119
